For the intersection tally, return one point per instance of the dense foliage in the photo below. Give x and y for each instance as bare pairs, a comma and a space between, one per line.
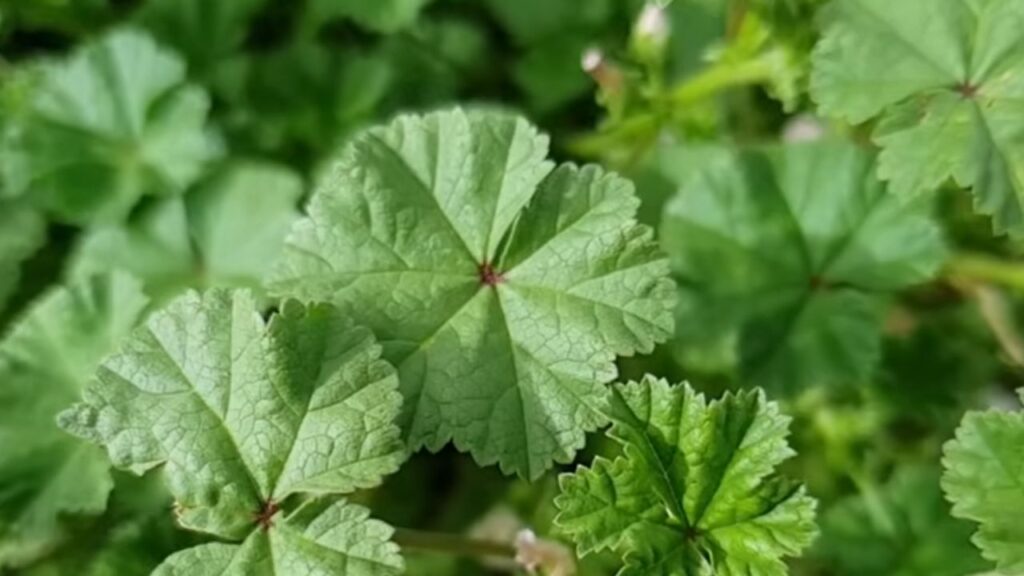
477, 287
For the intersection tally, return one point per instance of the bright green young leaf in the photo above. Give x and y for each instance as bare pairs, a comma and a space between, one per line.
45, 362
243, 413
786, 254
985, 481
381, 15
110, 124
22, 231
904, 530
501, 290
944, 76
695, 492
224, 232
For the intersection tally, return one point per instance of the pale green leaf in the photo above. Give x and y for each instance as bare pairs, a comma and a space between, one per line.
44, 364
243, 413
985, 481
944, 76
786, 254
696, 490
500, 289
111, 123
224, 232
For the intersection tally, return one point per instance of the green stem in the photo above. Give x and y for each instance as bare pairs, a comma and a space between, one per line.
876, 506
451, 544
986, 268
718, 78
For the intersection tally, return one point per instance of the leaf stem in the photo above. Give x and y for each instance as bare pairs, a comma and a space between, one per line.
451, 544
719, 77
986, 268
877, 508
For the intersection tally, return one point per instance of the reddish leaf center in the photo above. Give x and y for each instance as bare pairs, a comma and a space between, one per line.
967, 90
490, 276
265, 517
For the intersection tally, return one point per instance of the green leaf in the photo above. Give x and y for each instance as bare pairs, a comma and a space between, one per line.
309, 95
205, 33
500, 289
984, 480
222, 233
387, 16
695, 491
337, 538
944, 77
243, 413
22, 232
902, 530
529, 21
110, 124
44, 364
132, 537
786, 255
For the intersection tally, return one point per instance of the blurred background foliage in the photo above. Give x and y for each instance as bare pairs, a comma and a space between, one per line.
246, 100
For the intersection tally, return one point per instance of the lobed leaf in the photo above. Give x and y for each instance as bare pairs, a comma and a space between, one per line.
502, 290
902, 529
943, 77
110, 124
984, 480
785, 255
243, 413
222, 233
695, 491
44, 363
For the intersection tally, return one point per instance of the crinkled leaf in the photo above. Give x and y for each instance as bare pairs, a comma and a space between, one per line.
696, 490
786, 254
44, 364
945, 78
903, 530
224, 232
243, 413
381, 15
22, 232
111, 123
984, 479
500, 289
